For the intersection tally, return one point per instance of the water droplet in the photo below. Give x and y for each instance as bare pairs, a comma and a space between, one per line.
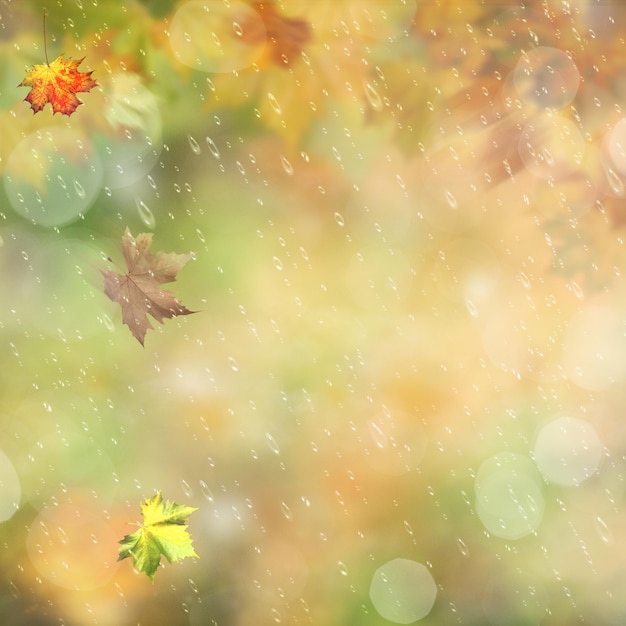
463, 549
286, 511
62, 181
194, 145
603, 530
79, 189
237, 29
187, 490
451, 200
63, 536
471, 308
286, 165
373, 97
577, 290
278, 264
339, 219
615, 182
378, 435
274, 103
343, 568
272, 443
146, 215
206, 491
213, 148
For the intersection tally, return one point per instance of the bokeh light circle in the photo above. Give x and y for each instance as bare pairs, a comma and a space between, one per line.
546, 77
594, 349
403, 591
217, 36
509, 501
53, 176
134, 140
616, 145
568, 451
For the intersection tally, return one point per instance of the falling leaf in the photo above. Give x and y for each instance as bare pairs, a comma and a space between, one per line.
284, 37
138, 292
163, 532
57, 83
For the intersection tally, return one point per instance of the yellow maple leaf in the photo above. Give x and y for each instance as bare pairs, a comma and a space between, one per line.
57, 83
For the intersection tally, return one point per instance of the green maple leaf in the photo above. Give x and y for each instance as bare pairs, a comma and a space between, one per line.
163, 532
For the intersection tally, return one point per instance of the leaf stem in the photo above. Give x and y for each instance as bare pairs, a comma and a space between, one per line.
45, 47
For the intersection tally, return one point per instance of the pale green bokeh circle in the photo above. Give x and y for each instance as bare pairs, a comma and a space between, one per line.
403, 591
568, 451
53, 176
509, 500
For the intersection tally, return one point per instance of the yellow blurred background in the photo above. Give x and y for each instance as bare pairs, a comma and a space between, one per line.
399, 399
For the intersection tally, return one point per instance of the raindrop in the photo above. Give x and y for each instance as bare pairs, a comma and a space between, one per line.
471, 308
603, 530
63, 536
146, 215
212, 147
274, 103
463, 549
79, 189
451, 200
271, 442
577, 290
194, 145
278, 264
233, 364
286, 166
378, 435
373, 97
286, 511
206, 491
61, 181
107, 322
343, 569
615, 182
187, 490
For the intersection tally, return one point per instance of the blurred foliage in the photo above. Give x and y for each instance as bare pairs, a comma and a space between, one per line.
386, 277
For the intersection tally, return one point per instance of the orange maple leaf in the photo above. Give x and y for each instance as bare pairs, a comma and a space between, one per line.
57, 83
284, 37
138, 292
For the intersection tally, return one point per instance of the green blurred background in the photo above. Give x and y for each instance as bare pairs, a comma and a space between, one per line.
401, 397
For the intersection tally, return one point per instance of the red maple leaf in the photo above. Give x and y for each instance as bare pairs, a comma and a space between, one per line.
138, 292
58, 83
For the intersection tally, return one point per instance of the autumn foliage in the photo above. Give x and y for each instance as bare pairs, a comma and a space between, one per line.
138, 292
57, 83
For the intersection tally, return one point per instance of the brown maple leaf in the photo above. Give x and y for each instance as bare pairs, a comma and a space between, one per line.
138, 292
58, 83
